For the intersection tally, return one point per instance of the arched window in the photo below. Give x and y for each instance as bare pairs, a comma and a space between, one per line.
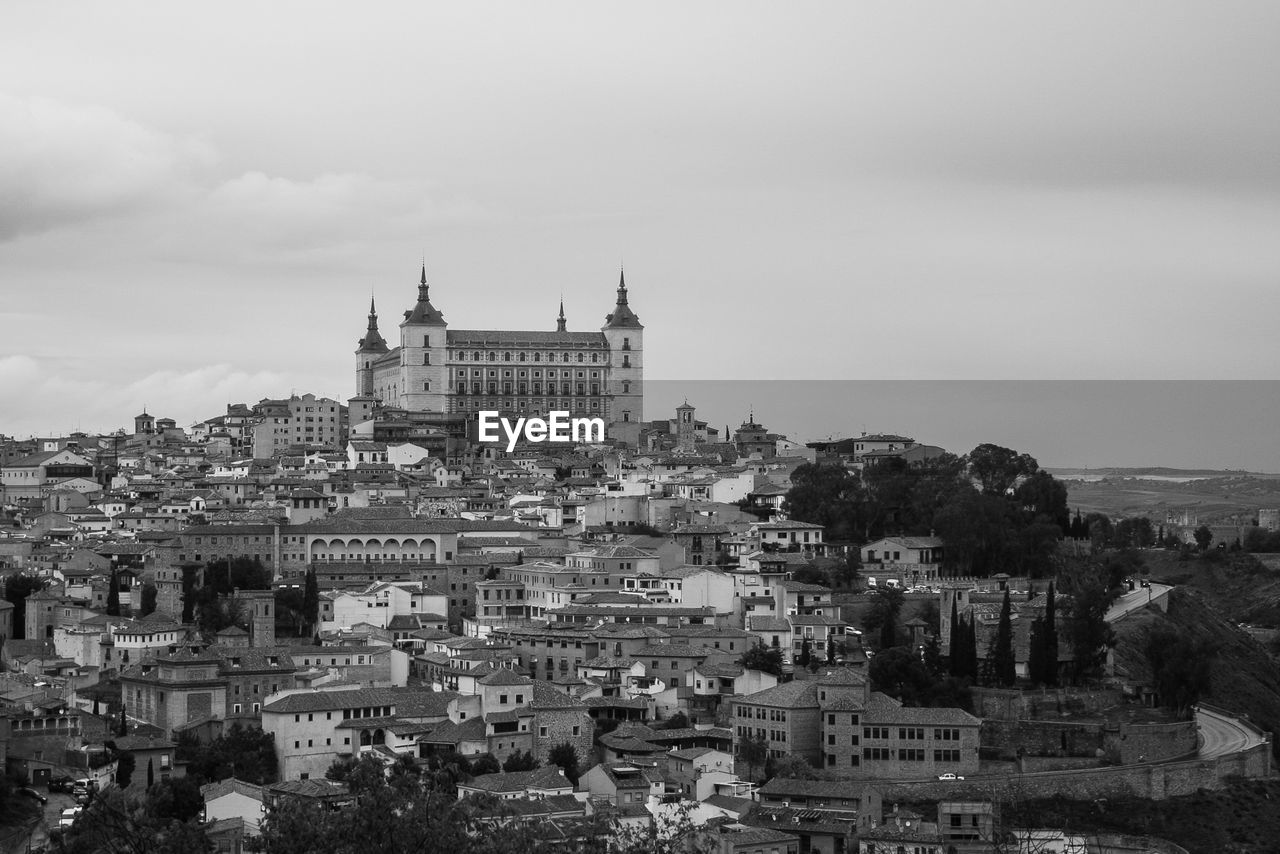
537, 357
566, 358
506, 357
595, 357
581, 357
475, 357
522, 355
493, 357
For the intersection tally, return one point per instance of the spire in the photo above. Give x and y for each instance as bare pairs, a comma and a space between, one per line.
560, 321
372, 342
622, 314
424, 313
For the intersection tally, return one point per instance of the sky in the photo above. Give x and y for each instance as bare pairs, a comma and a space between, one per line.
197, 201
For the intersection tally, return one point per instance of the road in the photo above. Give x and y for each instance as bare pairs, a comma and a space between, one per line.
1135, 599
1221, 735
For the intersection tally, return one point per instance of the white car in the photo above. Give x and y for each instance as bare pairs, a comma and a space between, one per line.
69, 817
949, 776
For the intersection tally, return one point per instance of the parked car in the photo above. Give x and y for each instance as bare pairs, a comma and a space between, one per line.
61, 784
949, 776
68, 817
29, 792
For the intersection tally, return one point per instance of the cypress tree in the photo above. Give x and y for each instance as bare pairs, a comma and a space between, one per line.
971, 648
113, 596
954, 642
1004, 664
1035, 653
1050, 646
888, 631
311, 599
806, 653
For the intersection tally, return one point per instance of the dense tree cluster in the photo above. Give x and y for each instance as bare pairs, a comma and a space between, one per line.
994, 508
211, 605
1042, 664
767, 659
245, 753
1181, 667
16, 590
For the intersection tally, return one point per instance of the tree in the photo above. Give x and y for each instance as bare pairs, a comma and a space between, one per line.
1050, 644
245, 753
1204, 537
311, 599
792, 767
1090, 593
767, 659
125, 764
1004, 667
176, 799
830, 496
753, 750
520, 761
149, 595
998, 468
882, 615
113, 595
565, 756
16, 590
485, 764
1181, 666
954, 663
806, 653
120, 822
1042, 494
151, 772
677, 721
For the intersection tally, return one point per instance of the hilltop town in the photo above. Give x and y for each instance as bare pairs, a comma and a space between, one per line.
303, 611
803, 646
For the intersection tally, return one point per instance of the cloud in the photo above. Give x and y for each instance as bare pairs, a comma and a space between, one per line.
65, 164
60, 401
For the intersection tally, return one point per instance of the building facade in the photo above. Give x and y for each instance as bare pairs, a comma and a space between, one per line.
438, 369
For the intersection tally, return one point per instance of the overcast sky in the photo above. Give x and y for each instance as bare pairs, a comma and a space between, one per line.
197, 200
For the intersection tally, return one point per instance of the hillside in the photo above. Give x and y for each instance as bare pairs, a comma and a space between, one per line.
1244, 588
1210, 498
1245, 678
1244, 818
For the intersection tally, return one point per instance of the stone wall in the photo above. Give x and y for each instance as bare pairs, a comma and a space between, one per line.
1007, 739
1152, 781
1011, 705
1124, 744
1138, 743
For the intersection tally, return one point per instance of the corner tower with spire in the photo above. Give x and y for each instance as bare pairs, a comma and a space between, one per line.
369, 350
625, 336
423, 383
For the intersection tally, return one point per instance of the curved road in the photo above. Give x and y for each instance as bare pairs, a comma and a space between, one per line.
1135, 599
1221, 735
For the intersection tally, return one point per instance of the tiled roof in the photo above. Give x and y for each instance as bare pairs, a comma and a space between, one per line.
213, 791
790, 695
550, 777
536, 338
